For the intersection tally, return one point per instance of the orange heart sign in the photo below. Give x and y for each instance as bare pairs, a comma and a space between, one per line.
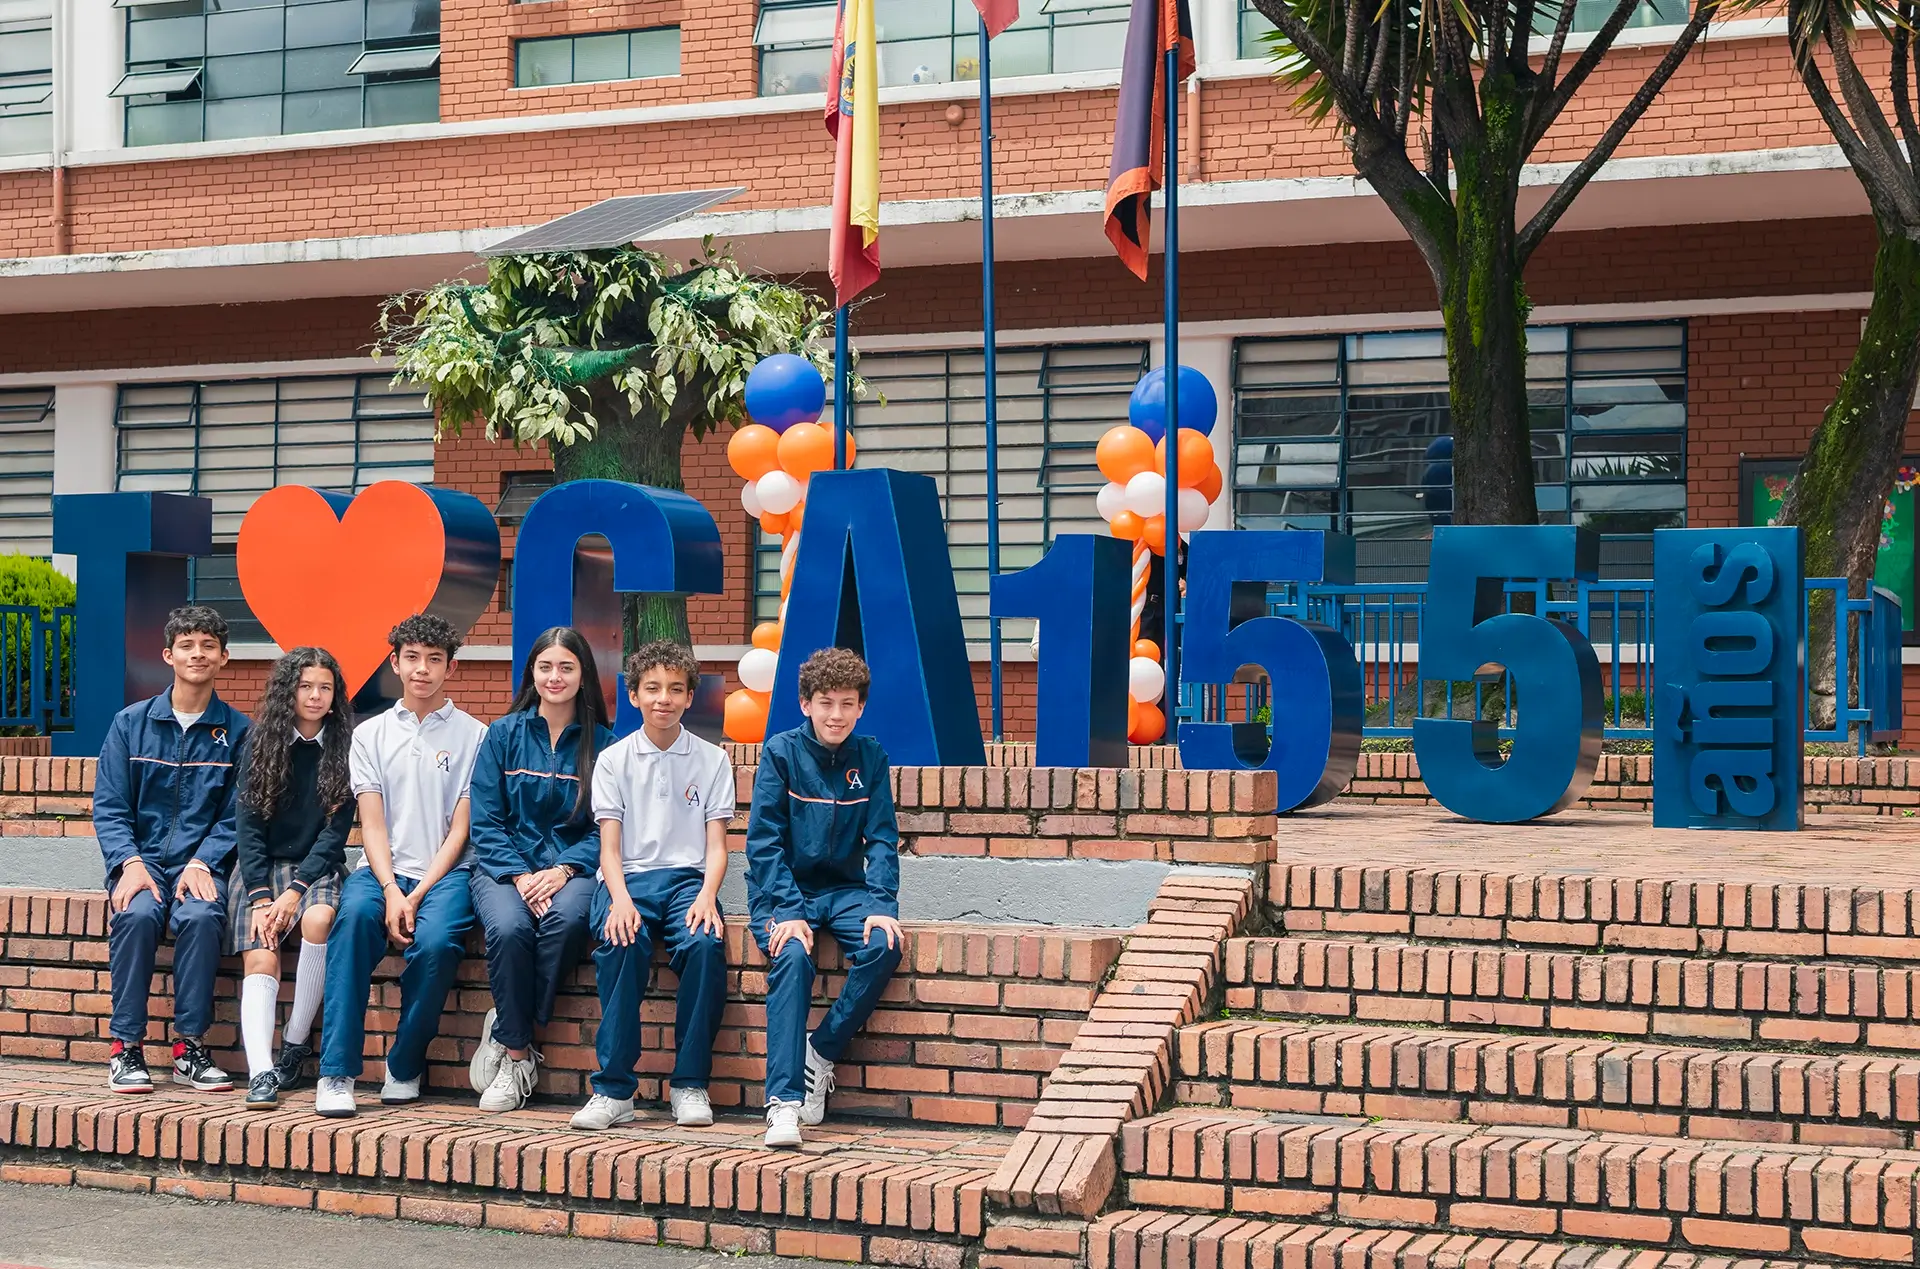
318, 570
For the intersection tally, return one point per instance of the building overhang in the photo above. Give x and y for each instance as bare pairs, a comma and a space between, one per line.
1785, 184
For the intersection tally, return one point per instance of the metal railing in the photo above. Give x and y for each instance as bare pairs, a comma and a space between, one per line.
36, 672
1383, 622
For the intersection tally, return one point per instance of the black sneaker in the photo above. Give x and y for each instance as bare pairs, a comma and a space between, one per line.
289, 1071
263, 1090
193, 1066
127, 1070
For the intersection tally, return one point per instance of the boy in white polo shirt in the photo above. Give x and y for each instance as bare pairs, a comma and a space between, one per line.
663, 797
412, 766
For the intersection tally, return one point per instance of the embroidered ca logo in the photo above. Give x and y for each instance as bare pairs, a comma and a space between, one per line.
692, 795
220, 735
853, 779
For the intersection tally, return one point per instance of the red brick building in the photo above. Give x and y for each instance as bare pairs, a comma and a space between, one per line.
204, 206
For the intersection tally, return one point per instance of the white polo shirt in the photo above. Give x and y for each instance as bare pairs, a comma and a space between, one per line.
421, 768
663, 798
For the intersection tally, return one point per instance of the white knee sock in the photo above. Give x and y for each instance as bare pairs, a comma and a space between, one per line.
259, 998
309, 978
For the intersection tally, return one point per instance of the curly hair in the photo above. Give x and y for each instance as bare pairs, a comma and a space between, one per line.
270, 743
589, 709
428, 631
834, 670
196, 619
666, 654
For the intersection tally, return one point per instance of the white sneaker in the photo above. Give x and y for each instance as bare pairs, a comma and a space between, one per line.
399, 1092
488, 1057
783, 1124
601, 1113
334, 1097
691, 1109
512, 1085
819, 1085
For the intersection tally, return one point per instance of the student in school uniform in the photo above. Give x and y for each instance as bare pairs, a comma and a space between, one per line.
534, 851
163, 808
296, 809
663, 798
822, 853
412, 766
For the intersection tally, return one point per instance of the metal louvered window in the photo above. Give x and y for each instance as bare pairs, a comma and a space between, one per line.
26, 77
232, 441
1352, 433
1588, 15
1055, 402
26, 471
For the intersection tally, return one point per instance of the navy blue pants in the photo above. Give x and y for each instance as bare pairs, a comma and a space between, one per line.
356, 946
199, 932
698, 959
528, 955
870, 963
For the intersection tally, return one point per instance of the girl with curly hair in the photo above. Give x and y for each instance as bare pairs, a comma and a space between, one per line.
296, 809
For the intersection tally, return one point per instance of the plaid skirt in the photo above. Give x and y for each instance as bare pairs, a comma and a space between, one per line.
324, 892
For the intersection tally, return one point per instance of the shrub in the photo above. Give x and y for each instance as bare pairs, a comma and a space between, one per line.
29, 582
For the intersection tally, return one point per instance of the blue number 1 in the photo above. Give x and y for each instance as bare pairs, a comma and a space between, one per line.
1081, 596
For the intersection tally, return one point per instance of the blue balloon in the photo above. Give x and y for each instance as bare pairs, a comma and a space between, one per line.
783, 390
1199, 406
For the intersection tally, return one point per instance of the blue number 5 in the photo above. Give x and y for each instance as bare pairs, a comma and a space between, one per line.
1466, 634
1313, 676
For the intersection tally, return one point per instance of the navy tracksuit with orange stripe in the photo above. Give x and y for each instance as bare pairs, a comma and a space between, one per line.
531, 811
166, 796
822, 846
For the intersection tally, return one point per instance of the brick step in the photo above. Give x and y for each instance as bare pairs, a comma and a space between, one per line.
1610, 993
1153, 1238
1834, 1203
885, 1194
1544, 1081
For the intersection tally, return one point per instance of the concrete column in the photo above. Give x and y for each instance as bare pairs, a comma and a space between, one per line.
85, 450
1216, 31
97, 49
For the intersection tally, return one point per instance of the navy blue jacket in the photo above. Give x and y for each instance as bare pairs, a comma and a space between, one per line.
166, 795
822, 820
524, 788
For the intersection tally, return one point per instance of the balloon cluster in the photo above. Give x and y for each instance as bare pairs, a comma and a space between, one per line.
776, 454
1133, 502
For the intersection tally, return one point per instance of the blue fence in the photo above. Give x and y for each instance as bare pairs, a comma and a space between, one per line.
1383, 622
36, 673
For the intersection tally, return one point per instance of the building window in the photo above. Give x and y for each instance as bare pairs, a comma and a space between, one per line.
211, 70
1055, 402
937, 41
1588, 15
597, 59
26, 471
1351, 433
232, 441
26, 78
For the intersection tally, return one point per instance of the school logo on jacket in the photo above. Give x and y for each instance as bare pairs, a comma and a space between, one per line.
692, 794
444, 760
220, 736
853, 778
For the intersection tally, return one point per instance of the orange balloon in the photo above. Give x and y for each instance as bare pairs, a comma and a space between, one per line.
1196, 456
1154, 534
753, 451
795, 516
1146, 648
767, 635
1126, 525
1133, 715
745, 721
806, 448
1123, 453
1147, 725
774, 522
1211, 485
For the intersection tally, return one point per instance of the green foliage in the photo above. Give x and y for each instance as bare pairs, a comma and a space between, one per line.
30, 582
522, 352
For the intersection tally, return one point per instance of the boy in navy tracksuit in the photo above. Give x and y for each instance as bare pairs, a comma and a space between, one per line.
822, 851
163, 810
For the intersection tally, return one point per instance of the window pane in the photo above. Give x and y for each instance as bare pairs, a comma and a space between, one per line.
312, 25
317, 68
163, 124
249, 76
656, 53
1083, 48
248, 31
544, 62
916, 62
411, 101
1018, 53
26, 134
247, 117
784, 71
29, 50
402, 19
907, 19
165, 39
597, 58
321, 112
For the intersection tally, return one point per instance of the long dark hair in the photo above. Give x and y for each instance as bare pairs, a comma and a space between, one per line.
589, 707
269, 744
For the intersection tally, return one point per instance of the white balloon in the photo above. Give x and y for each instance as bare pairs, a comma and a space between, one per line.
1193, 510
757, 669
1147, 494
1110, 501
1145, 680
750, 499
778, 492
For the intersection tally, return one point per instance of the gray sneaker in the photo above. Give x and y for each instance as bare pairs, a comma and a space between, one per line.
819, 1087
691, 1108
488, 1057
783, 1124
601, 1113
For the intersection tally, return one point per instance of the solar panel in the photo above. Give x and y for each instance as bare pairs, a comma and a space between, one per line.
613, 222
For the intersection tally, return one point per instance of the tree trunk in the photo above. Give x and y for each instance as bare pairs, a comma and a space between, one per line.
1842, 485
641, 450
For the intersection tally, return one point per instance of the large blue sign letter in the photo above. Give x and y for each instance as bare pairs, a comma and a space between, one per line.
1081, 594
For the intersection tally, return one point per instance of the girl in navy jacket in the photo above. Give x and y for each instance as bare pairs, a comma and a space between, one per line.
534, 854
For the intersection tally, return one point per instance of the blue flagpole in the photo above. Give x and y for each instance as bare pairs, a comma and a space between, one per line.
992, 358
1170, 263
840, 389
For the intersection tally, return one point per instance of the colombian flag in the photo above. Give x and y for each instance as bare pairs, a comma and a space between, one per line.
853, 118
1139, 126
